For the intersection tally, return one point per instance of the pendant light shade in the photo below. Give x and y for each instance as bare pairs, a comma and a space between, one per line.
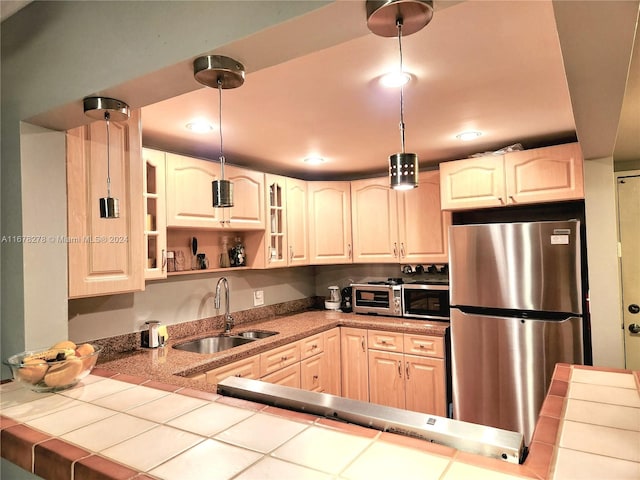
107, 109
389, 18
403, 171
219, 72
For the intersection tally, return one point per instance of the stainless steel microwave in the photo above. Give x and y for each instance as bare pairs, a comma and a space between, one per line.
425, 300
377, 299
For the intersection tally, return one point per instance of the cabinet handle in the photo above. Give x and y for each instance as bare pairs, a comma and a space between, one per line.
384, 342
407, 370
512, 198
399, 369
315, 378
284, 359
349, 253
363, 344
314, 346
402, 251
164, 260
501, 200
291, 252
395, 249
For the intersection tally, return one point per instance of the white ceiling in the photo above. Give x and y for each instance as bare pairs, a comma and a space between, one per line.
533, 72
489, 66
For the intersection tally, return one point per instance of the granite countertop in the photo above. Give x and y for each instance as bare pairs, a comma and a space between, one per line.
172, 366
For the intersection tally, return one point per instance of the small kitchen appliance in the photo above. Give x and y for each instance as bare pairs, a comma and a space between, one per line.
426, 299
378, 298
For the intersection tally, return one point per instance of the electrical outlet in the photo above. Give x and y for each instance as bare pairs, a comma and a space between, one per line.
258, 298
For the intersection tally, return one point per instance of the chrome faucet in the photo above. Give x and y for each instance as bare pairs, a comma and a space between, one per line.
228, 319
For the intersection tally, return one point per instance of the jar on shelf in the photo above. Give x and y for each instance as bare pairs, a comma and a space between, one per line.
224, 256
237, 254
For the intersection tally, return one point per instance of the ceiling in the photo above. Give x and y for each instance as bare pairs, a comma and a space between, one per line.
495, 67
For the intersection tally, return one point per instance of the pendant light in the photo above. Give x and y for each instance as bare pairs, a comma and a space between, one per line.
219, 72
107, 109
389, 18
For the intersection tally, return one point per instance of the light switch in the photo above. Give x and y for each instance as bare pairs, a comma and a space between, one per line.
258, 298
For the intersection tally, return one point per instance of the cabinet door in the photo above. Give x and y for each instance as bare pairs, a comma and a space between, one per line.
329, 222
545, 174
189, 194
425, 385
297, 222
386, 378
331, 358
248, 209
155, 230
246, 368
106, 256
276, 243
354, 363
472, 183
423, 226
312, 375
374, 221
288, 376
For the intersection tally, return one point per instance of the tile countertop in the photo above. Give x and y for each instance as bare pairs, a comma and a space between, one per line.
172, 366
117, 426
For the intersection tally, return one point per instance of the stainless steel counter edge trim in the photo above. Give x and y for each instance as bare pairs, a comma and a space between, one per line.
469, 437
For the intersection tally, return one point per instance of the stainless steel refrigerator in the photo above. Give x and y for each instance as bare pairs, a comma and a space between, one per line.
516, 311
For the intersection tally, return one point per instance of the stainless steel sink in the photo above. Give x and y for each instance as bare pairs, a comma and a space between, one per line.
213, 344
256, 334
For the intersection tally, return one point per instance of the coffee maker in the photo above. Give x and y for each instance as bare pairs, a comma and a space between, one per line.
345, 303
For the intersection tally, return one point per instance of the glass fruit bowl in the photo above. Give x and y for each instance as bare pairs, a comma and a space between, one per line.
54, 369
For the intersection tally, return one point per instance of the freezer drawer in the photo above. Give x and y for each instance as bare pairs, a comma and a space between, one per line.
502, 366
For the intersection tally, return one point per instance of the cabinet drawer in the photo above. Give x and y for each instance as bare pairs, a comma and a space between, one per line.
388, 341
247, 368
424, 345
279, 358
311, 346
288, 376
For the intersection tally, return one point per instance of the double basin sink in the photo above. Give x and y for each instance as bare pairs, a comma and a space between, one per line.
219, 343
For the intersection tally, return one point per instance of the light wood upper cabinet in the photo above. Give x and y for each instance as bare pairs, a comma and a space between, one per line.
190, 196
155, 228
423, 226
276, 242
399, 226
106, 256
297, 221
545, 174
248, 209
329, 222
374, 221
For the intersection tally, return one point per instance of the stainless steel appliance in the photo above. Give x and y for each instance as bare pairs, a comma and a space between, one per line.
516, 311
425, 299
378, 298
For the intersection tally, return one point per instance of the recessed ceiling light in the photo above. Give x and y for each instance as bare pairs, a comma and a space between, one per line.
313, 160
199, 126
395, 79
469, 135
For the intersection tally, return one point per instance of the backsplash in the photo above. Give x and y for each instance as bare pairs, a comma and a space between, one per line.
112, 346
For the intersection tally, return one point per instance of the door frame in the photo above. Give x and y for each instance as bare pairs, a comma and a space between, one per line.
618, 176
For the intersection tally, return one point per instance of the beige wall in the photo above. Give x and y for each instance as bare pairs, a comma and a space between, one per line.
602, 255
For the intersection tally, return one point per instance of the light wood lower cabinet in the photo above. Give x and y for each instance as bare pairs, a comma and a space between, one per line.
355, 370
245, 368
425, 385
332, 380
311, 373
288, 376
386, 379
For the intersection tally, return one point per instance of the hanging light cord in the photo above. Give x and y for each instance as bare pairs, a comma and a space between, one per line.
220, 128
107, 117
399, 25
